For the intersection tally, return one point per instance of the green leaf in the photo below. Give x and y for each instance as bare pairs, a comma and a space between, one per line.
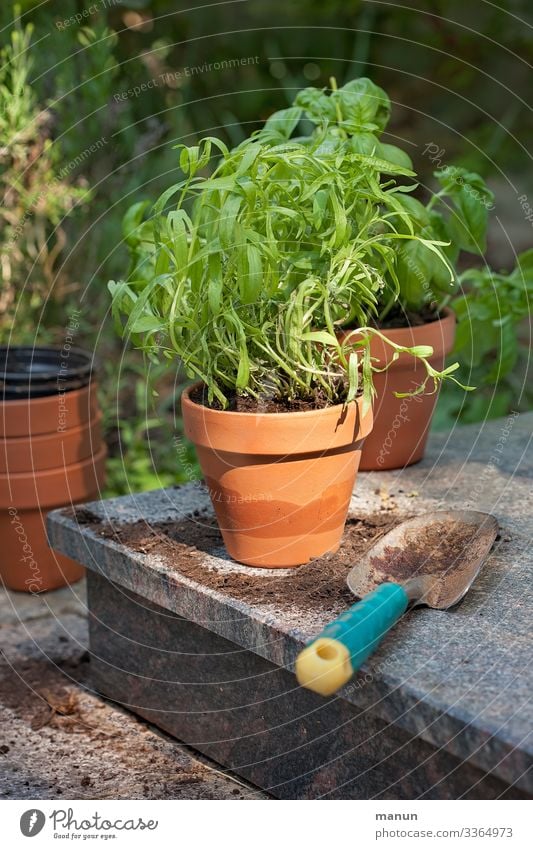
320, 203
391, 153
364, 142
184, 159
413, 272
162, 264
227, 219
471, 199
468, 223
283, 123
414, 211
317, 106
368, 384
321, 336
178, 221
420, 350
524, 264
251, 283
353, 376
243, 372
215, 283
131, 221
147, 323
374, 163
362, 103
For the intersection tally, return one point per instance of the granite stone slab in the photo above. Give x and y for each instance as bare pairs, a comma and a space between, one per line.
458, 680
246, 713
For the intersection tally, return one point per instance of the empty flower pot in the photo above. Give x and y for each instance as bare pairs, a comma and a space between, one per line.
51, 455
280, 483
29, 371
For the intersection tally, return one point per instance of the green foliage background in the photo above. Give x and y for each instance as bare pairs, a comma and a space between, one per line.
457, 75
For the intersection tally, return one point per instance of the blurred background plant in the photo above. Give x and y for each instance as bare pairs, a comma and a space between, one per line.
90, 112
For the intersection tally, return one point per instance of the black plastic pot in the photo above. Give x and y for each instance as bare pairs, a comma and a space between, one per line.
27, 372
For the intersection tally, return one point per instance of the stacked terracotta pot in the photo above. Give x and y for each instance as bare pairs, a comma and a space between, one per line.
51, 455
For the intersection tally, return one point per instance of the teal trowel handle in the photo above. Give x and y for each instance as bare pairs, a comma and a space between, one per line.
332, 658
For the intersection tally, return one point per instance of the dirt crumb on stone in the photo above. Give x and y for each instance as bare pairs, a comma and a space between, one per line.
82, 515
313, 587
56, 709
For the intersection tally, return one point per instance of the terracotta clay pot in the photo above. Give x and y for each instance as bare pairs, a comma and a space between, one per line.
51, 455
51, 414
280, 483
401, 425
50, 450
27, 563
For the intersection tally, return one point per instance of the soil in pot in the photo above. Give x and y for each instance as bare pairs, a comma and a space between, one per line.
280, 482
401, 425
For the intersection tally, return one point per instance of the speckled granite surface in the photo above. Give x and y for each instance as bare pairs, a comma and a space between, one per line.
460, 680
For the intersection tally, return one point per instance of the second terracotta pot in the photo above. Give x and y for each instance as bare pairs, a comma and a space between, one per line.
280, 483
401, 425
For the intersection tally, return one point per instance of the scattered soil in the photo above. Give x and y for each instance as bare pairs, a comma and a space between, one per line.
318, 585
246, 404
440, 551
399, 317
82, 516
54, 706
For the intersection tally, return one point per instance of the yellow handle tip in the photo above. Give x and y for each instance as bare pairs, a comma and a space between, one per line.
324, 666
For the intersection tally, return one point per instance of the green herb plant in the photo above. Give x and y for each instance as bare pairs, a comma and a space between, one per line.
453, 219
247, 274
493, 343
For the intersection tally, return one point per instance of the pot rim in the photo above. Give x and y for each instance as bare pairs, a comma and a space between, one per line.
447, 315
87, 363
275, 434
439, 334
44, 400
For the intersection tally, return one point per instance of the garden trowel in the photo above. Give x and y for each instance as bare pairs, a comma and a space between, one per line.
429, 560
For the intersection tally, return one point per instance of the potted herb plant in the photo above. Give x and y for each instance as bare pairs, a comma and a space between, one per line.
420, 313
245, 275
418, 274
